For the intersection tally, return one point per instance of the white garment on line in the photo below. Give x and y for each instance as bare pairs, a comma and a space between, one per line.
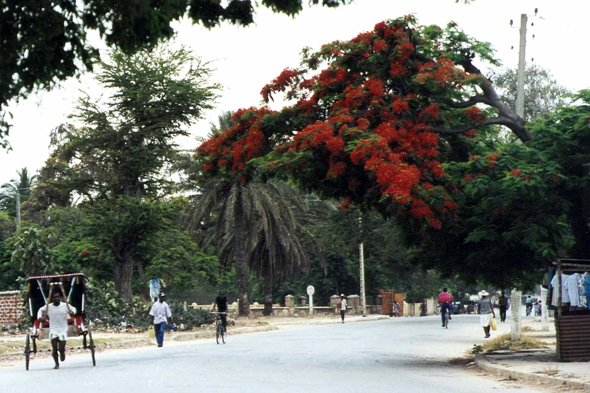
564, 293
573, 289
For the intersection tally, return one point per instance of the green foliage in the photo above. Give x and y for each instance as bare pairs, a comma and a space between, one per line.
106, 309
117, 163
191, 318
21, 185
31, 252
521, 205
7, 226
45, 41
542, 94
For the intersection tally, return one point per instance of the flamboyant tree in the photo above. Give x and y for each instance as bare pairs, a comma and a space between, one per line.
372, 120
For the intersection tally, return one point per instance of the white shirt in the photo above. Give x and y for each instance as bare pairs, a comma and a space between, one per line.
573, 290
58, 316
564, 292
160, 311
343, 305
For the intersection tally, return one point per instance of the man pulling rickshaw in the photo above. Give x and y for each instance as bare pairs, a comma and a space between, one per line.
57, 313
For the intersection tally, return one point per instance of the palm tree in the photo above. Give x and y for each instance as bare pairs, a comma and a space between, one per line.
282, 257
252, 225
21, 186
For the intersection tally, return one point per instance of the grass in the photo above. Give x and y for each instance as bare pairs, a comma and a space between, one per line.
548, 371
504, 342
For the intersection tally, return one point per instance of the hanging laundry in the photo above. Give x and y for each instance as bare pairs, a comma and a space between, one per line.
155, 289
571, 285
564, 293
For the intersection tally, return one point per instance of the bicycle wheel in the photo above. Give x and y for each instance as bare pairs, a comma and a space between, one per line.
217, 332
446, 320
222, 333
91, 345
27, 351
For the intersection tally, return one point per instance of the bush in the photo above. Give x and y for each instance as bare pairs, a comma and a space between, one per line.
105, 308
191, 318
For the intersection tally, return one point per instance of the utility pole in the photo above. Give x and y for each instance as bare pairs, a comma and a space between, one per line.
17, 209
516, 295
362, 267
521, 67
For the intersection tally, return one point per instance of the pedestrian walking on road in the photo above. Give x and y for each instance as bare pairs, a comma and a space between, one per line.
160, 313
342, 306
503, 307
487, 312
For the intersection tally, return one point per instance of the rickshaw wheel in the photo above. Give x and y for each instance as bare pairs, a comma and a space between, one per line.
91, 344
27, 351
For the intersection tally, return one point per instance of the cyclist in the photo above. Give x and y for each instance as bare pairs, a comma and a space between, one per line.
445, 299
222, 306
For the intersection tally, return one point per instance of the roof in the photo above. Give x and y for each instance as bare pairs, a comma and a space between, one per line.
55, 276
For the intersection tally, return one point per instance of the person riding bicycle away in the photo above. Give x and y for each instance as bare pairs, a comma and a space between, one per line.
487, 312
57, 314
222, 306
445, 299
160, 313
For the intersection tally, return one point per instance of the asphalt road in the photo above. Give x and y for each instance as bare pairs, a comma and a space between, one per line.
394, 355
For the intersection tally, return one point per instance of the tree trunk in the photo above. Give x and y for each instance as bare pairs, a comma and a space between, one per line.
268, 282
241, 262
124, 274
145, 288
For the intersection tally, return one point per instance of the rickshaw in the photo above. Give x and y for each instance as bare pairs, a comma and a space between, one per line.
73, 289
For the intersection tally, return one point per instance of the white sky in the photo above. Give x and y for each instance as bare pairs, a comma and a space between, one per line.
246, 59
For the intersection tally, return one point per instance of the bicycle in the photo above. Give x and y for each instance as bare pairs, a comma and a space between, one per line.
446, 319
219, 331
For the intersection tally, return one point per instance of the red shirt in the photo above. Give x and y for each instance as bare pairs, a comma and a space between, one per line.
445, 297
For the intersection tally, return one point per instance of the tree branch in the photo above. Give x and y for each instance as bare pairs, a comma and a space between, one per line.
472, 101
470, 126
506, 118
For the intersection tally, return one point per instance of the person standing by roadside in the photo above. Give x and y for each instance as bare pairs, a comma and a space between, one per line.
342, 306
487, 312
503, 301
396, 308
57, 314
160, 313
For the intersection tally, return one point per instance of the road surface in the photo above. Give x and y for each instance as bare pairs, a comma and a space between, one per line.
393, 355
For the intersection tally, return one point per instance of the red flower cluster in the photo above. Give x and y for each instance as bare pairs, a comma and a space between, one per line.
492, 160
353, 126
279, 83
475, 114
237, 145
